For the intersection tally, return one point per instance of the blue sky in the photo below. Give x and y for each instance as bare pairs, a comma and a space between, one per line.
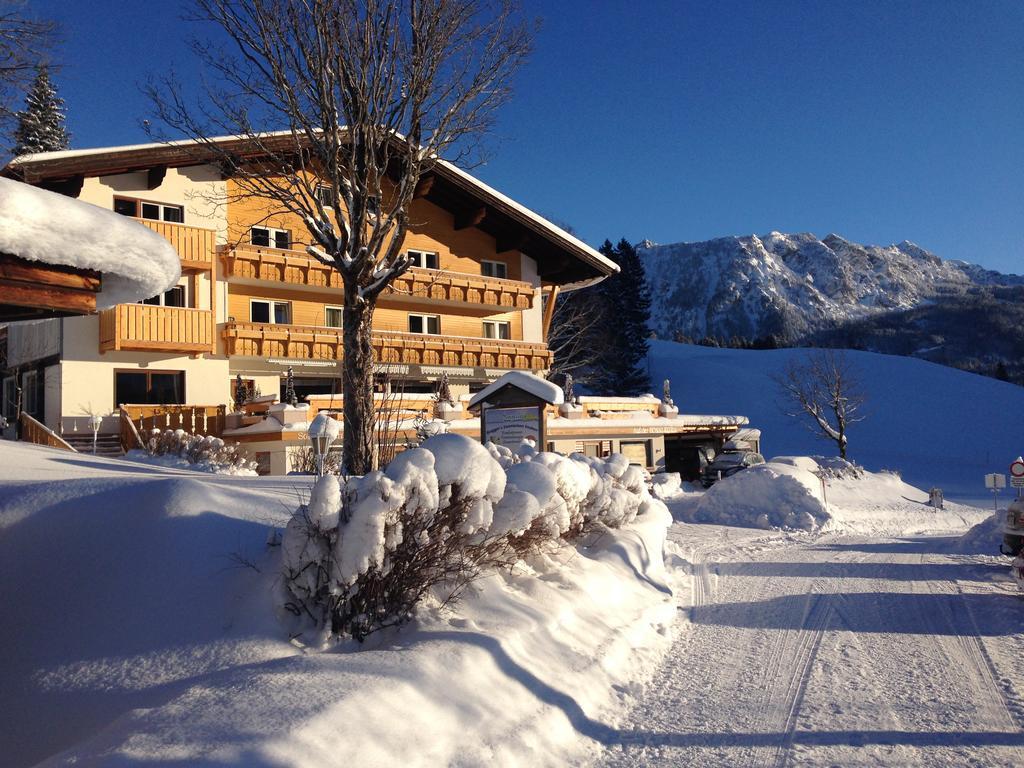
880, 121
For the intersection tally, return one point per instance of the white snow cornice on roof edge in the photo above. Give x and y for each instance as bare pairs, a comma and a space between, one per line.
38, 225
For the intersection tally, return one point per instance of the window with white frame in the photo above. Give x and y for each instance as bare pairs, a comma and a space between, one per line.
494, 269
145, 209
268, 237
332, 317
325, 195
426, 324
265, 311
422, 259
497, 329
175, 297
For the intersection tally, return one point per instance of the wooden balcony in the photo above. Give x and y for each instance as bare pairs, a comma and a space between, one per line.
307, 343
194, 245
150, 328
278, 266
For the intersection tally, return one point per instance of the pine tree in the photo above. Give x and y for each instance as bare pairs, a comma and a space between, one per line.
41, 124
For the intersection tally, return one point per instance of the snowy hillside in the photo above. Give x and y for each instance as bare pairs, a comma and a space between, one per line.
793, 285
937, 426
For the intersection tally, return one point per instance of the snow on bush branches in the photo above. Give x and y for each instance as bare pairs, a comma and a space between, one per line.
202, 452
365, 550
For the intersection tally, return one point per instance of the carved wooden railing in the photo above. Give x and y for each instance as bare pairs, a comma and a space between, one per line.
32, 431
280, 266
308, 343
148, 327
200, 419
194, 245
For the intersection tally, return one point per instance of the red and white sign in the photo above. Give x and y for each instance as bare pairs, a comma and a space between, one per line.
1017, 468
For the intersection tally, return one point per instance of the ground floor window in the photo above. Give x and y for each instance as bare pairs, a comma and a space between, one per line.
10, 399
32, 394
311, 385
638, 452
149, 387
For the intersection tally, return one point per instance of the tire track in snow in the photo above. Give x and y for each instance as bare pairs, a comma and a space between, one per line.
986, 676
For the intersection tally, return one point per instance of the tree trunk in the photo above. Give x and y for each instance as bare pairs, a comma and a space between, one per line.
359, 446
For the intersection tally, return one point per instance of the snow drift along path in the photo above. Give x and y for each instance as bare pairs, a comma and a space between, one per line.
794, 649
131, 636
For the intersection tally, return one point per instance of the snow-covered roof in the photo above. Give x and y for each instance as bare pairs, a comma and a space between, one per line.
599, 261
535, 385
39, 225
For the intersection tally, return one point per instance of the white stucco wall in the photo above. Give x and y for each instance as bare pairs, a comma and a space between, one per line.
198, 188
87, 376
533, 318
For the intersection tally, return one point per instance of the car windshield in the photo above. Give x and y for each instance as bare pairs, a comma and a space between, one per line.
727, 459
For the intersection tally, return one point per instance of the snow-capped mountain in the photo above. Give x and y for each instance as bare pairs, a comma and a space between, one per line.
791, 286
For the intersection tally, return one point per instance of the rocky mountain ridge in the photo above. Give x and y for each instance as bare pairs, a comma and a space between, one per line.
794, 286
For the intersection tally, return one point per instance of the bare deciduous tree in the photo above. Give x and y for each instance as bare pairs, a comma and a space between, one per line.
23, 43
339, 108
823, 391
574, 340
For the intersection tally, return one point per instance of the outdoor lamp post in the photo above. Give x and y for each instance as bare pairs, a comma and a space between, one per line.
320, 441
96, 421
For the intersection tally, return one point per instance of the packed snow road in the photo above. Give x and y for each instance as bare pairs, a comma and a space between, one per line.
830, 650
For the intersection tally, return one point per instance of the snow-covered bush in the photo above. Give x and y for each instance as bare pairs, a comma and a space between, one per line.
203, 452
772, 495
365, 550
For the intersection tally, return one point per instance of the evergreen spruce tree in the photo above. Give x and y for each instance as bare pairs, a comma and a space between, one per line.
41, 124
612, 358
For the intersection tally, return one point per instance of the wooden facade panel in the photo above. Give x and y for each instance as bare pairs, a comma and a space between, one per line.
431, 228
195, 245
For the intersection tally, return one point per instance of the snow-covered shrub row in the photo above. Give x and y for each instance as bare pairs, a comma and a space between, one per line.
772, 495
202, 452
365, 550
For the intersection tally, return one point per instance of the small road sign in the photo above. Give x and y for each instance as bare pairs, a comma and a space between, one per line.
1017, 467
1017, 482
995, 481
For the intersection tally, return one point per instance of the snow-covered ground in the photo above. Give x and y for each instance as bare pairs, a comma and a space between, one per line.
139, 627
937, 426
831, 649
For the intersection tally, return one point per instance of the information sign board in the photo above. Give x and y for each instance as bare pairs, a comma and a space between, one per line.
995, 481
510, 426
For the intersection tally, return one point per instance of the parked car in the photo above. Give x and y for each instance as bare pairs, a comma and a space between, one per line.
727, 463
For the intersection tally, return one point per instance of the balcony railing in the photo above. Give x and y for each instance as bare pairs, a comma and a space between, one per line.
306, 343
273, 265
151, 328
194, 245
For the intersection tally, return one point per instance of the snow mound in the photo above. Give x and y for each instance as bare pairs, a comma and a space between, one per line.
665, 485
129, 637
800, 462
40, 225
983, 538
766, 496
